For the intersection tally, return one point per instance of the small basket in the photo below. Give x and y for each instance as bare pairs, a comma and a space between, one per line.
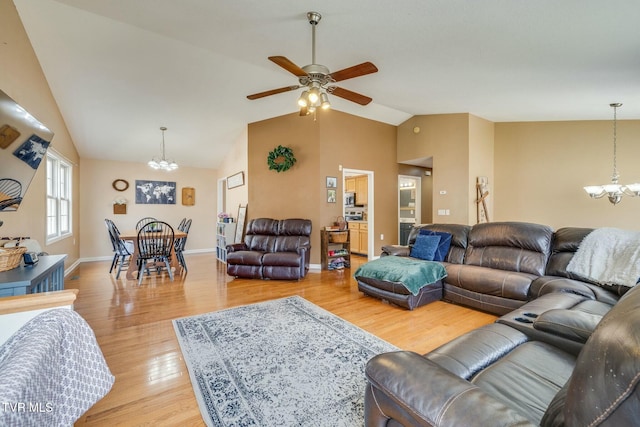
338, 236
10, 257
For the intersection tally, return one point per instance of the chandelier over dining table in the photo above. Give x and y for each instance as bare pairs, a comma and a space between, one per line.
614, 191
162, 163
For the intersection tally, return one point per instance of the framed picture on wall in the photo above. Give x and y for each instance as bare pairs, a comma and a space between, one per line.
331, 196
235, 180
155, 192
332, 182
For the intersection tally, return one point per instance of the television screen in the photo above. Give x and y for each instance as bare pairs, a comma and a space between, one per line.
23, 146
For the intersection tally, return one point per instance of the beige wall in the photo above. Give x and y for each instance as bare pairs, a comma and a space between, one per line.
541, 167
320, 147
481, 153
23, 80
98, 194
236, 161
445, 137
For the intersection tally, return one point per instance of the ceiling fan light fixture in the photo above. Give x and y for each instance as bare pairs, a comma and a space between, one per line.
324, 101
303, 101
314, 95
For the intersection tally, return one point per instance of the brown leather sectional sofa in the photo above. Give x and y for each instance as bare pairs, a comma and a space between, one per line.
272, 249
566, 352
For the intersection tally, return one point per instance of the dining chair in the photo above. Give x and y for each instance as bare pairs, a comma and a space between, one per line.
122, 249
144, 221
154, 247
181, 243
10, 193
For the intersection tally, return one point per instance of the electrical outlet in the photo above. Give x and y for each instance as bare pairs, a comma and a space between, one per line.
382, 237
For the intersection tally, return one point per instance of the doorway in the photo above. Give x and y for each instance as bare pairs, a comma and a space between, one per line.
361, 208
409, 205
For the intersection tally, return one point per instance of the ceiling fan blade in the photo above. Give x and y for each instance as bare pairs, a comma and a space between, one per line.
355, 71
272, 92
349, 95
288, 65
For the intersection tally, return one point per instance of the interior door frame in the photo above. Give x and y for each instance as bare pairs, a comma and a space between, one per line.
370, 205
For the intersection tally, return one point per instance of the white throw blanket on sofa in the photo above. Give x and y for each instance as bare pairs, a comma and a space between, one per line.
608, 256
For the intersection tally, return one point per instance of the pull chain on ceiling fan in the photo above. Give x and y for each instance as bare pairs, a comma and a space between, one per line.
317, 79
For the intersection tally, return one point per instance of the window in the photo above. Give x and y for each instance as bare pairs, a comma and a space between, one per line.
58, 198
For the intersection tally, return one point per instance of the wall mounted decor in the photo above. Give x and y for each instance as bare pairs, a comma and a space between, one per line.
242, 217
332, 182
281, 159
155, 192
120, 184
235, 180
188, 196
23, 144
331, 196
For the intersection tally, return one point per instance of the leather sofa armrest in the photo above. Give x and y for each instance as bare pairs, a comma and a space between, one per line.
571, 324
237, 247
395, 250
412, 390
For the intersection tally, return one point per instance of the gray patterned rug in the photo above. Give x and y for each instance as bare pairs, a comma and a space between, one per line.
284, 362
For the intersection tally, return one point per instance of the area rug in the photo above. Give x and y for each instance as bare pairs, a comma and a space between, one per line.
284, 362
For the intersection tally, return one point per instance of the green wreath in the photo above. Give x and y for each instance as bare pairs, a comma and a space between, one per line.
280, 159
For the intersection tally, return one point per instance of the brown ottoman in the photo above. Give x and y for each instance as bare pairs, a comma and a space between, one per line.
374, 281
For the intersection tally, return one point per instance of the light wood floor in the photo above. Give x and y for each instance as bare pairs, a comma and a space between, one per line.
133, 326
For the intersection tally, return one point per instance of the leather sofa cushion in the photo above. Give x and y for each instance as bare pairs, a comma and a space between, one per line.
490, 281
575, 325
294, 227
264, 226
472, 352
528, 378
260, 242
511, 246
290, 243
287, 259
245, 257
565, 243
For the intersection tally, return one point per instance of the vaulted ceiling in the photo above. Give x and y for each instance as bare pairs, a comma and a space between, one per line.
120, 69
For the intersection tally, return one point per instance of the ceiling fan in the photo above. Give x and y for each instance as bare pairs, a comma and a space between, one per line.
317, 80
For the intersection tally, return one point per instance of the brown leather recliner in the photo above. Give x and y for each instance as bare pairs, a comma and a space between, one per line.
272, 249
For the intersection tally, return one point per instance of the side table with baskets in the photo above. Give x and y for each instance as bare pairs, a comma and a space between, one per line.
335, 249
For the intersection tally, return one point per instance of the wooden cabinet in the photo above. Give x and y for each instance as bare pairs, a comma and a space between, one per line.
350, 185
362, 189
336, 254
225, 235
359, 236
45, 276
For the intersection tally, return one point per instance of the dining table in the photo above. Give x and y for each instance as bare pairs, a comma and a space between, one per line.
133, 262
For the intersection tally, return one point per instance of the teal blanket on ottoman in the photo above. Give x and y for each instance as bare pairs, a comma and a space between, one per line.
414, 274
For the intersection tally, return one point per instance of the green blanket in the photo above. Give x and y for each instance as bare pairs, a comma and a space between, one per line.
413, 273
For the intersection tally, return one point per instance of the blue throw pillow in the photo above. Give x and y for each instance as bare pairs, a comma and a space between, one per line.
425, 247
443, 246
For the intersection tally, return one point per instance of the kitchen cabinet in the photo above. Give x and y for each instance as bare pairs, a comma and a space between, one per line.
359, 237
362, 190
350, 185
405, 229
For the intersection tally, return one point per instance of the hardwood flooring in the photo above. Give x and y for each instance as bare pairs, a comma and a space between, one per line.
133, 326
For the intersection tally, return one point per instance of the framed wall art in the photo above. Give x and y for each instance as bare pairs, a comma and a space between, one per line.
332, 182
235, 180
155, 192
331, 196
